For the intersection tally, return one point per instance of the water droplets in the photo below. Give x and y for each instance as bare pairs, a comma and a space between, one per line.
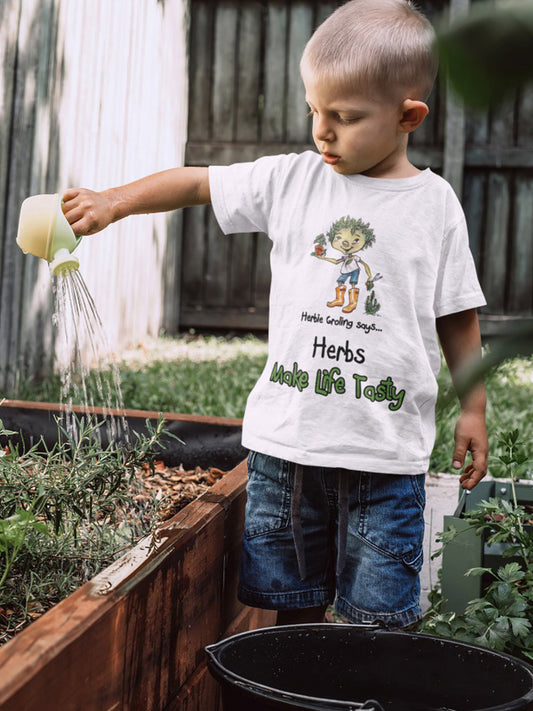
87, 375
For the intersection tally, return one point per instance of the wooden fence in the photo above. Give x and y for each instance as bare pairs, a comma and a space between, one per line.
246, 100
92, 92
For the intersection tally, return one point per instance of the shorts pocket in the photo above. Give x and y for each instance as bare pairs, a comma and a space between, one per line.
391, 517
269, 489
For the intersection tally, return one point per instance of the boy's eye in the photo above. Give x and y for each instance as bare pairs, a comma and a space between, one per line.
342, 120
346, 120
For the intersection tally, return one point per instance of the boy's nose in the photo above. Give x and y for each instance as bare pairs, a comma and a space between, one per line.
322, 129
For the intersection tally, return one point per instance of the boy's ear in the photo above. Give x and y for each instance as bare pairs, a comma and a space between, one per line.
412, 114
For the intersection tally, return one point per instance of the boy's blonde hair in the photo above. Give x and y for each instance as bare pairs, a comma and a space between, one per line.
374, 45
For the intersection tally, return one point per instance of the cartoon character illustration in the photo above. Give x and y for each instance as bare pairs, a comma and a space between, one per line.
348, 236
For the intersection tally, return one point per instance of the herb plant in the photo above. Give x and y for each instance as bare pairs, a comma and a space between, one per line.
372, 305
502, 618
65, 513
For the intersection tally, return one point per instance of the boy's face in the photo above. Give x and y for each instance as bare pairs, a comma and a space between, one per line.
356, 133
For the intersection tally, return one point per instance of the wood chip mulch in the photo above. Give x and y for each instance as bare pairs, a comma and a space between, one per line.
176, 487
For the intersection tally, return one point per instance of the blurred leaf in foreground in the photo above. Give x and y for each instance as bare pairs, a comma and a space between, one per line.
488, 54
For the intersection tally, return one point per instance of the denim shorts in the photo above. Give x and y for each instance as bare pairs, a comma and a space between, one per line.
382, 554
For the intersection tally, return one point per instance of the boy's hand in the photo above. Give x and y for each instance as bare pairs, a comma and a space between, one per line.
87, 211
461, 342
471, 436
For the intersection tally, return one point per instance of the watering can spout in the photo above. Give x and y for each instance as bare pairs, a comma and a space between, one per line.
44, 231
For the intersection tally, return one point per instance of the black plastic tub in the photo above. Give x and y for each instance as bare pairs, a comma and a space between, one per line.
328, 666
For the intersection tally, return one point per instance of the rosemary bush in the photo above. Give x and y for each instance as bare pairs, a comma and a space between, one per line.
66, 512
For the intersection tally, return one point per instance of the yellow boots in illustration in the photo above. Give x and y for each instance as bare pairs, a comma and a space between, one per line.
340, 292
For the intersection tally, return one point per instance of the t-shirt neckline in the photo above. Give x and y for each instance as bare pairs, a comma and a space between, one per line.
409, 183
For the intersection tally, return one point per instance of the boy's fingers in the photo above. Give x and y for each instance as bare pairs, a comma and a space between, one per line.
459, 455
73, 213
70, 194
471, 477
477, 469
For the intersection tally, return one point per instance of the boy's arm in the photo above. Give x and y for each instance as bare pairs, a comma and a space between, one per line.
461, 343
89, 212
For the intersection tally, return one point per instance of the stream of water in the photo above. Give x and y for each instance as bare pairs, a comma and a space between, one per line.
87, 374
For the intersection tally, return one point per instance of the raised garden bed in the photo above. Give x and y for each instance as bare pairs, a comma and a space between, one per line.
133, 637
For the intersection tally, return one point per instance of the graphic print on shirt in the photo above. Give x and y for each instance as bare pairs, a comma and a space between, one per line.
349, 236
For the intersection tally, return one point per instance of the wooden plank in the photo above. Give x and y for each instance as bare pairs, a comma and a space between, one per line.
224, 71
240, 269
227, 152
249, 619
454, 147
254, 318
200, 69
427, 133
54, 410
477, 128
474, 205
426, 157
193, 255
495, 247
455, 120
323, 11
524, 124
19, 180
36, 301
231, 608
498, 157
171, 276
275, 77
502, 124
521, 267
248, 66
9, 29
262, 274
175, 613
300, 29
216, 264
501, 326
200, 692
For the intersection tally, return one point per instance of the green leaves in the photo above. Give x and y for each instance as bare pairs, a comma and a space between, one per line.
65, 513
487, 54
502, 618
12, 537
3, 430
511, 573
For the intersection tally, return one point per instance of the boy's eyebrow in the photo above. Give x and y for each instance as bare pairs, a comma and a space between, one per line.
341, 108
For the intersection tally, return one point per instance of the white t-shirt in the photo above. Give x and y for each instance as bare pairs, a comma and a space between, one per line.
357, 388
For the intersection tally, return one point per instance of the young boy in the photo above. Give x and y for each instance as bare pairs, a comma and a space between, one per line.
340, 425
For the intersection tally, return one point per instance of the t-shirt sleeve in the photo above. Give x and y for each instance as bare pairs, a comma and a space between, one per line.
458, 286
242, 194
